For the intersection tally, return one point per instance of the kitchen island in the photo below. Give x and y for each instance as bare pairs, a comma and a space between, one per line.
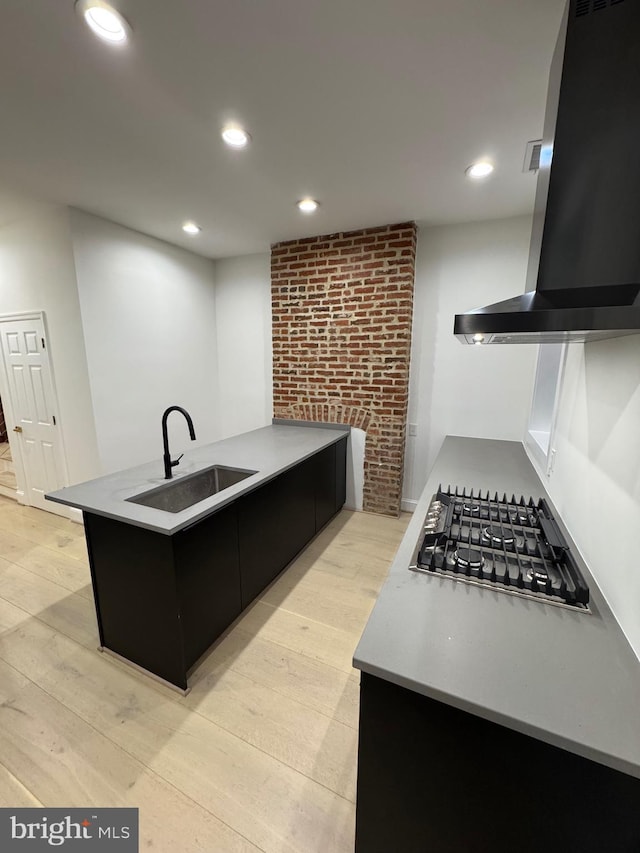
167, 583
489, 721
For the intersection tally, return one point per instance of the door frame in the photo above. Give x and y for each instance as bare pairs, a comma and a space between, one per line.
7, 405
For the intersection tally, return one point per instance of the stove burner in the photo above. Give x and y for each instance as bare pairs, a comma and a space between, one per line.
497, 535
467, 558
537, 574
513, 546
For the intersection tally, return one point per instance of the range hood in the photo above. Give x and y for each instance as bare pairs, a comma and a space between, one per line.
583, 280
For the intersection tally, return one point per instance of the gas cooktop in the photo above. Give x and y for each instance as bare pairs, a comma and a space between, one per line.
513, 546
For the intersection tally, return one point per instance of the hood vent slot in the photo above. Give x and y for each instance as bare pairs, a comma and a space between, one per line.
584, 7
532, 156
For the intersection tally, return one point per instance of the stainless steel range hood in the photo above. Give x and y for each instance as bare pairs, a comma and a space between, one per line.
584, 260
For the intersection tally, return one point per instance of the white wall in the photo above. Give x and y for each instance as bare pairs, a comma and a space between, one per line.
148, 311
477, 391
157, 332
243, 331
457, 268
37, 273
595, 482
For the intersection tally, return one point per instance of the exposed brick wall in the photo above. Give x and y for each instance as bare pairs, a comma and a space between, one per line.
342, 309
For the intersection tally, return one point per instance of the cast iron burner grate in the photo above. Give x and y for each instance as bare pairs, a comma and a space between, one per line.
510, 545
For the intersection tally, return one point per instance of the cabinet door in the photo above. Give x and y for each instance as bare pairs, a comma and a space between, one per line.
274, 523
135, 592
464, 754
207, 580
325, 485
341, 474
331, 481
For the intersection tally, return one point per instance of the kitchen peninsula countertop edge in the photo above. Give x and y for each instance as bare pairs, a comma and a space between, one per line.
269, 450
565, 677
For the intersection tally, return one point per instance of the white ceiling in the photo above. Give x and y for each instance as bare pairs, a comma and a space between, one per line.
375, 107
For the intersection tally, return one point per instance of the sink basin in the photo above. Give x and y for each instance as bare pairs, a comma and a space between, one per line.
177, 495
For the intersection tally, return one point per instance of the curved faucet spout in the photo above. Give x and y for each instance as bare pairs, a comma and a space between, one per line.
168, 462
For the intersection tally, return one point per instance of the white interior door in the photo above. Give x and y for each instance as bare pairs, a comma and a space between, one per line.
33, 409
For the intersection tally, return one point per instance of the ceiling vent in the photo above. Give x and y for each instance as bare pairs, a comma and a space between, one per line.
532, 156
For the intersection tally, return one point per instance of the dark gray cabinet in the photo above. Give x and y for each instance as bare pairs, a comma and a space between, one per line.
162, 600
447, 781
207, 580
274, 523
325, 505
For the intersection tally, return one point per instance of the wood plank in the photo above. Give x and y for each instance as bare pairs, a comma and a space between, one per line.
67, 612
57, 567
274, 806
310, 682
336, 605
13, 547
354, 545
300, 634
10, 616
63, 761
13, 793
260, 755
383, 528
32, 528
76, 548
12, 681
361, 587
347, 565
384, 531
46, 518
302, 738
33, 649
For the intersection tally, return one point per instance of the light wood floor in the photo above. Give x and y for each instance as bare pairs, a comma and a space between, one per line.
261, 755
7, 471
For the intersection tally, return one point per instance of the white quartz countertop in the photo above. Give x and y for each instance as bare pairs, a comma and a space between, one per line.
268, 451
565, 677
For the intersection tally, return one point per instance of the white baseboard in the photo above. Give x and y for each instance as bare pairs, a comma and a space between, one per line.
407, 505
76, 515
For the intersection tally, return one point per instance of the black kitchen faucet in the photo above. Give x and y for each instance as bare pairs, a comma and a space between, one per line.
168, 463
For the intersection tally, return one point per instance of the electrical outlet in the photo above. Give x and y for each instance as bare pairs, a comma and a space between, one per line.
413, 429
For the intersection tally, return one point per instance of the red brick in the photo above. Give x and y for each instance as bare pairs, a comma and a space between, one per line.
342, 341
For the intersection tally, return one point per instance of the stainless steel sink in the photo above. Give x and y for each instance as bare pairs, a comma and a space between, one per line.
187, 491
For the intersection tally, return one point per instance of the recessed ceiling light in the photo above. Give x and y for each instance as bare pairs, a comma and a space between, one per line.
481, 169
191, 228
104, 20
308, 205
235, 137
